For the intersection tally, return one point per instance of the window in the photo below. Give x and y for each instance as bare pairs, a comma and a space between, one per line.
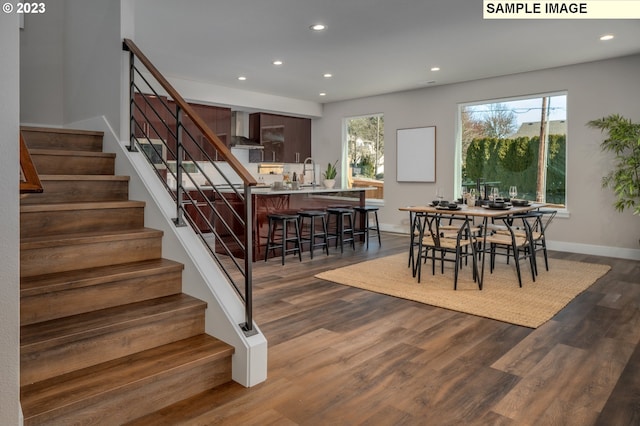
499, 142
365, 154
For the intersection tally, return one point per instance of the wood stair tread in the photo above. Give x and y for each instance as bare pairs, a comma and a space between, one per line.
67, 153
97, 382
60, 281
87, 237
85, 205
62, 131
39, 336
84, 177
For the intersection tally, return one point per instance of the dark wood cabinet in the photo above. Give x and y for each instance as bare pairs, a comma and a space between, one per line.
200, 211
150, 124
219, 121
285, 139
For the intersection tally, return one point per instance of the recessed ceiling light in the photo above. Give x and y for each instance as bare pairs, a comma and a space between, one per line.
327, 75
435, 69
318, 27
242, 78
431, 82
278, 62
323, 94
606, 37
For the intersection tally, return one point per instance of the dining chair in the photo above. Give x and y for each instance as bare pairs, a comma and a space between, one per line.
512, 239
415, 221
437, 240
543, 219
539, 221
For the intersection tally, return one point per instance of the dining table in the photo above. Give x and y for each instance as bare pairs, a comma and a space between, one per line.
463, 211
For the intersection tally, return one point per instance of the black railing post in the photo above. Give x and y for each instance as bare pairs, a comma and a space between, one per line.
132, 123
179, 219
247, 327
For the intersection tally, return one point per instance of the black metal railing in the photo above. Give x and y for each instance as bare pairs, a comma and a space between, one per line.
212, 196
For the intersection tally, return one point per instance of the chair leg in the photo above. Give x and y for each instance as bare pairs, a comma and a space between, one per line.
326, 238
285, 226
353, 237
418, 268
455, 268
312, 235
340, 232
492, 258
515, 253
298, 242
544, 251
533, 260
269, 240
366, 228
532, 264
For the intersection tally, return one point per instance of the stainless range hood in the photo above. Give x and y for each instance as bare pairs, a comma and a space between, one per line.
240, 132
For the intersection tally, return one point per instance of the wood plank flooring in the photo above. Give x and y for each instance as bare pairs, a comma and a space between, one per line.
344, 356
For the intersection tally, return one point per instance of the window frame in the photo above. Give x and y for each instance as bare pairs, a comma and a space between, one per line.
345, 153
562, 210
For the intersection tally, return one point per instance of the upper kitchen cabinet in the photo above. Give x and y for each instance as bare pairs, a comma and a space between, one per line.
219, 121
150, 124
285, 139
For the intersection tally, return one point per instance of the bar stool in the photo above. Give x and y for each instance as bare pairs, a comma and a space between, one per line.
310, 237
341, 216
362, 217
284, 220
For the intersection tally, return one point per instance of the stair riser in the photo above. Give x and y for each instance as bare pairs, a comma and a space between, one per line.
35, 224
60, 304
36, 261
73, 165
72, 191
50, 359
64, 141
141, 398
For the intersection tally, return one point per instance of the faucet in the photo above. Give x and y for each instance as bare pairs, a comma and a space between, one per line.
313, 169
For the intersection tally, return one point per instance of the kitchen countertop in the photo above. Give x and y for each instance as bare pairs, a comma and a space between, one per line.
267, 190
319, 189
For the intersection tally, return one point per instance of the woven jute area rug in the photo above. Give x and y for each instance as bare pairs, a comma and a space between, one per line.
500, 299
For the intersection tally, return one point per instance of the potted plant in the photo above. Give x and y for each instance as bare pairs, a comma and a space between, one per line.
624, 141
329, 175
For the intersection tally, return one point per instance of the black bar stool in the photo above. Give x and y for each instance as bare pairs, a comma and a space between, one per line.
284, 220
362, 219
313, 233
341, 216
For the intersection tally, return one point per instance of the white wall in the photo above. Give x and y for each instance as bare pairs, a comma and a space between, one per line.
243, 100
92, 60
70, 63
10, 223
594, 90
41, 67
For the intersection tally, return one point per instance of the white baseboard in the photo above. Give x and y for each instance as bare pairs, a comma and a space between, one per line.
618, 252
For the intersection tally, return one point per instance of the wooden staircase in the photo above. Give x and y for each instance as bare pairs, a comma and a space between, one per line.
106, 335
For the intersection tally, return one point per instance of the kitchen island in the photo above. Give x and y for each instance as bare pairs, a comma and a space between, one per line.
266, 200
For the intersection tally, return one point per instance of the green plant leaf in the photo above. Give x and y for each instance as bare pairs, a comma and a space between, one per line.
623, 139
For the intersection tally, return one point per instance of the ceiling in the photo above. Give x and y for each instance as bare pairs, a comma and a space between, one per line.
369, 46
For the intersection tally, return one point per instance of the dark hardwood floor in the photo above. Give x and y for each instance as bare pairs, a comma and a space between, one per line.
343, 356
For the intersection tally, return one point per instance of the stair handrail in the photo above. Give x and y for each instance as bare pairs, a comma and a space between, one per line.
29, 178
248, 181
244, 174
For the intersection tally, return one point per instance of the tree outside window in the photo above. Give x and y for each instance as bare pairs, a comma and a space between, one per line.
365, 153
500, 145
